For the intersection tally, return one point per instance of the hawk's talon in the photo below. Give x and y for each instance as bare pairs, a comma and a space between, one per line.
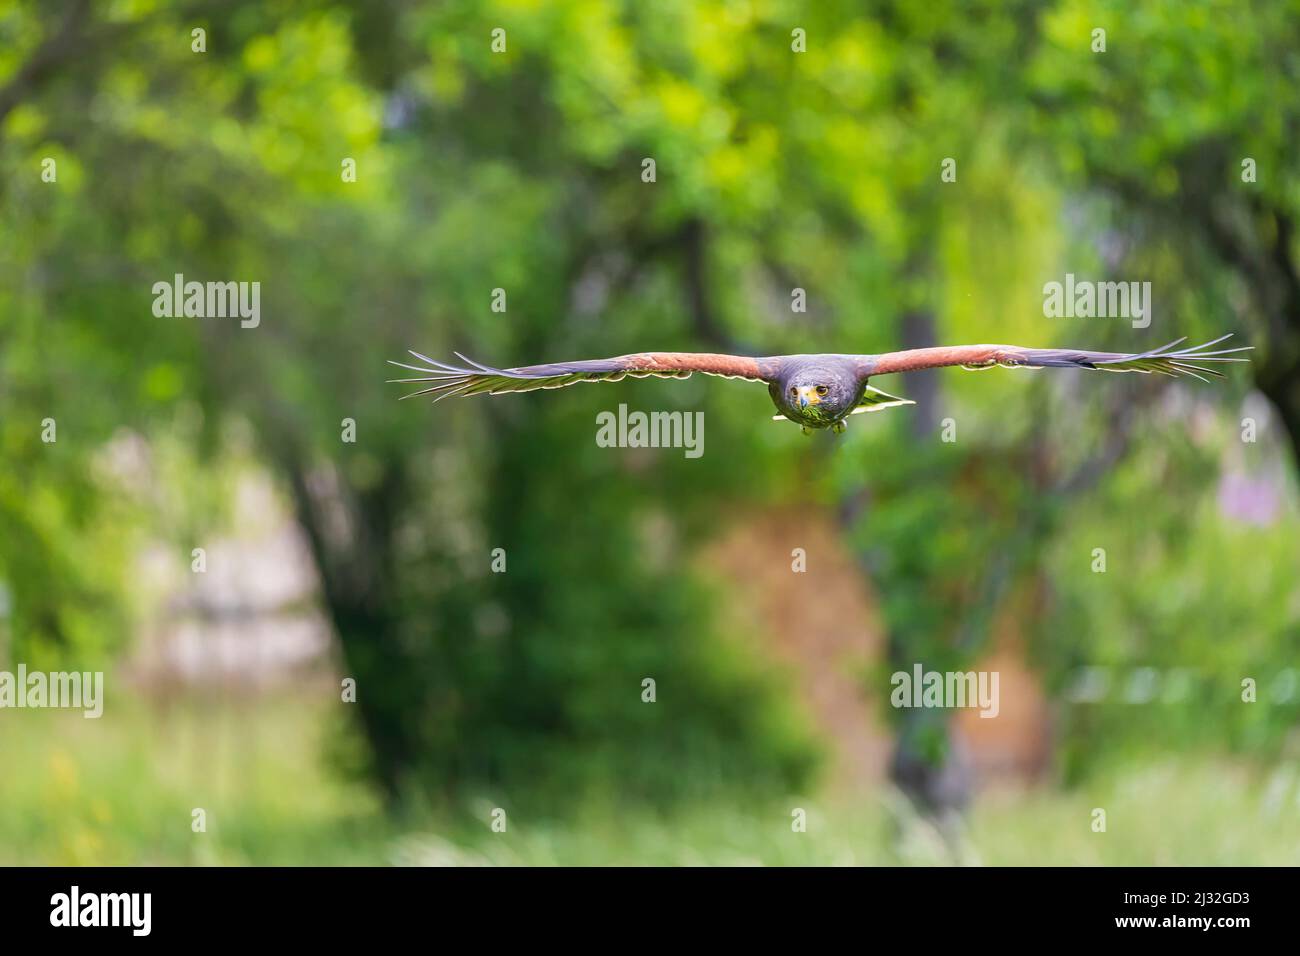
839, 427
805, 429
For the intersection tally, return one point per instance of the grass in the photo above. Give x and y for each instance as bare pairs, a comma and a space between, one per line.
121, 791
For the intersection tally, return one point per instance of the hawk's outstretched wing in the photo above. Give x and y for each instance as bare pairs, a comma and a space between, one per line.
481, 379
1166, 360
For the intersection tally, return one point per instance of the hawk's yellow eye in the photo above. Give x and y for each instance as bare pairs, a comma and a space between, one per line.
822, 389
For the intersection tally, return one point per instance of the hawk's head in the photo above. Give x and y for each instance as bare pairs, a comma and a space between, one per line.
817, 393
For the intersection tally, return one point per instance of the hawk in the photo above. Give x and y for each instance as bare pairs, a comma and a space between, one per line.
814, 391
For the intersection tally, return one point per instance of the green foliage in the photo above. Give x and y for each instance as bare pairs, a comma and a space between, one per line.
522, 170
120, 793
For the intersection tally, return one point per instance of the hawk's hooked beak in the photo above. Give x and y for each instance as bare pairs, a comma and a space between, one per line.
808, 396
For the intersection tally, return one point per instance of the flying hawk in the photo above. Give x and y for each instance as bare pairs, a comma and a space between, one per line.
815, 391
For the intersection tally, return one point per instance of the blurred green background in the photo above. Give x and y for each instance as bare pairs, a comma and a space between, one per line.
796, 146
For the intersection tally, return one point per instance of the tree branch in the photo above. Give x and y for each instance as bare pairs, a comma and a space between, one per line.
58, 48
